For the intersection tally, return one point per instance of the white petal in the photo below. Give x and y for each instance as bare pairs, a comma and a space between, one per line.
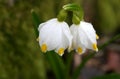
41, 25
80, 49
84, 36
67, 35
74, 31
86, 24
55, 34
50, 34
49, 21
88, 30
66, 38
80, 45
87, 34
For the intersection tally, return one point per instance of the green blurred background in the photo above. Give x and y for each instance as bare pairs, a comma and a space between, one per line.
20, 56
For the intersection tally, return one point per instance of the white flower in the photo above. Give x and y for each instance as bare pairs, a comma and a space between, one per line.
84, 37
54, 35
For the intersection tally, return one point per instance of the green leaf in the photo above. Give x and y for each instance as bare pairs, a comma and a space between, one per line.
77, 12
57, 64
36, 22
68, 64
109, 76
110, 41
82, 64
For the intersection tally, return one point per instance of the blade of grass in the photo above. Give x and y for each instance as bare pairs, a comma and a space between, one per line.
82, 64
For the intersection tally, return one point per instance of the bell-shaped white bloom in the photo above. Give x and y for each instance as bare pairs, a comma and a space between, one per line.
84, 37
54, 35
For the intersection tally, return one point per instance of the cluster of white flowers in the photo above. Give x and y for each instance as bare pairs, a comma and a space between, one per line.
55, 35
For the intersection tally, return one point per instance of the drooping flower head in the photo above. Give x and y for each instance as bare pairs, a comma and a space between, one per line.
84, 37
54, 35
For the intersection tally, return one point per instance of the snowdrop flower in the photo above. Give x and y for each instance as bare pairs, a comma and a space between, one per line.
54, 35
84, 37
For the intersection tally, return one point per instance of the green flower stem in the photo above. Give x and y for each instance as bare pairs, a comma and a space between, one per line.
62, 15
78, 69
71, 7
76, 20
77, 12
57, 64
68, 64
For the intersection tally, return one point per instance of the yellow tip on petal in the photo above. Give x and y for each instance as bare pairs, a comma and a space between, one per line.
79, 50
44, 48
95, 47
61, 51
38, 39
97, 37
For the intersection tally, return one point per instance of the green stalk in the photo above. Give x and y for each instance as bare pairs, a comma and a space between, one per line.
77, 12
68, 64
72, 7
56, 63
